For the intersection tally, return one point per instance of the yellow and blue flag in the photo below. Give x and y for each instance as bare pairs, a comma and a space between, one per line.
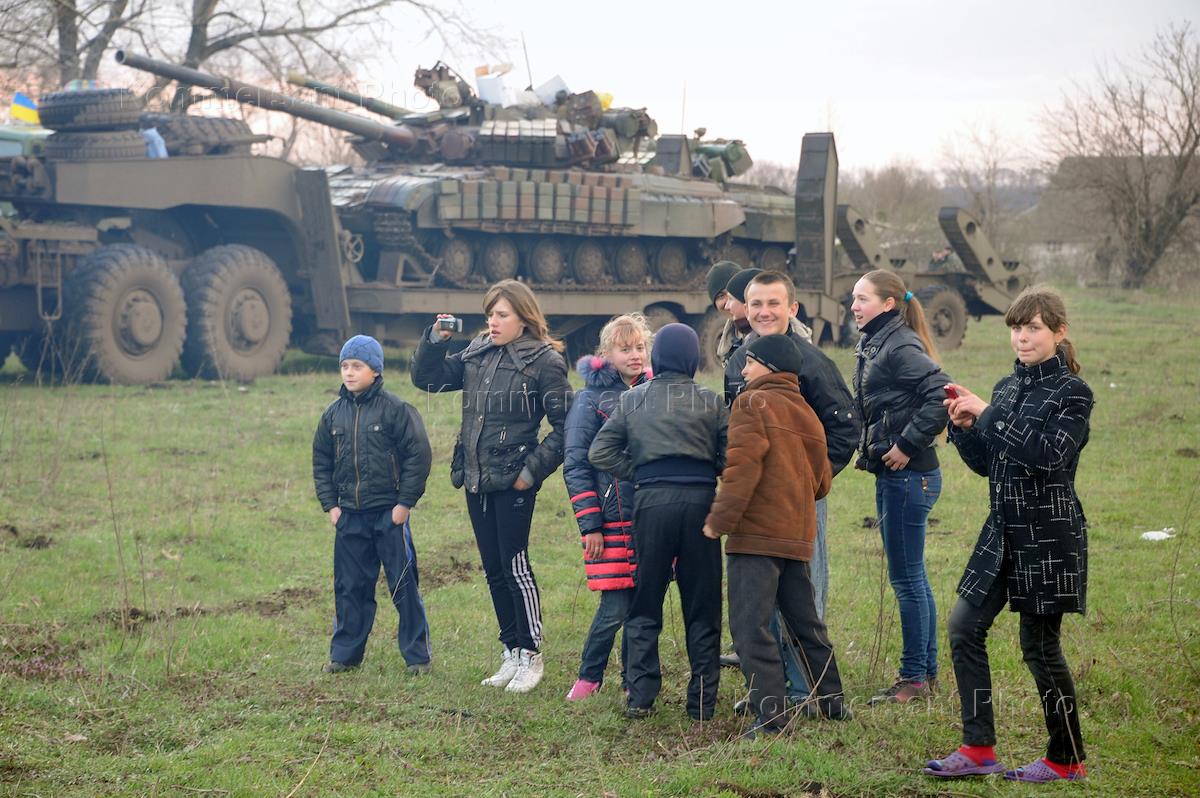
24, 110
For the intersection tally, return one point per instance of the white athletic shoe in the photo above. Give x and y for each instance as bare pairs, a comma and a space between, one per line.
508, 669
529, 672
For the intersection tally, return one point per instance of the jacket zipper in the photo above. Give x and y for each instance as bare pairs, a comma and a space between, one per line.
357, 475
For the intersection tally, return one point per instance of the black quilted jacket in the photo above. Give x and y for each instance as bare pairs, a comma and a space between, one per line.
370, 451
507, 390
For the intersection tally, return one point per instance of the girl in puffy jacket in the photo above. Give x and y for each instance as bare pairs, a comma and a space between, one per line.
603, 504
1032, 551
512, 376
898, 388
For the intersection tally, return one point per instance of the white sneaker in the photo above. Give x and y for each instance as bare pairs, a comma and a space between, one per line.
529, 672
508, 669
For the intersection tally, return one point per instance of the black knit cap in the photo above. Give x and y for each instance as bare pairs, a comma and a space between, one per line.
738, 282
776, 352
718, 277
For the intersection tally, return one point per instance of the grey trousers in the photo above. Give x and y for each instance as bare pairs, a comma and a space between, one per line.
756, 586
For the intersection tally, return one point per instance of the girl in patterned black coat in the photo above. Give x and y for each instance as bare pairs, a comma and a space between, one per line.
1032, 552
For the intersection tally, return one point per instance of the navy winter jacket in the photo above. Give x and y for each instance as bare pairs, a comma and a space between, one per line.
601, 502
370, 452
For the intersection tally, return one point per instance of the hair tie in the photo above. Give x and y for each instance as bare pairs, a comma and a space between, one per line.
908, 296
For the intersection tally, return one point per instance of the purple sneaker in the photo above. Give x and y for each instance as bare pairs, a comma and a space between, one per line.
959, 764
1039, 773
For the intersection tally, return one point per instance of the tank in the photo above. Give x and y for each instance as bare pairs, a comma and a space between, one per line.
566, 195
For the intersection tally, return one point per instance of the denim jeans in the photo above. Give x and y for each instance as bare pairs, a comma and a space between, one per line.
818, 570
610, 616
903, 500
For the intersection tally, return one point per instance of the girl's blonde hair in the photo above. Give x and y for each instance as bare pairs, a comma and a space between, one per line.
1044, 301
525, 305
624, 330
888, 284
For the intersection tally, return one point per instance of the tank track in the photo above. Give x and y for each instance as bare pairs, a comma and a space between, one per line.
394, 232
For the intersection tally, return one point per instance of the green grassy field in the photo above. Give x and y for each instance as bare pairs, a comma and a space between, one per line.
166, 599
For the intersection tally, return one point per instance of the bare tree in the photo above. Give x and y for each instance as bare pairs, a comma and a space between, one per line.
72, 38
1128, 145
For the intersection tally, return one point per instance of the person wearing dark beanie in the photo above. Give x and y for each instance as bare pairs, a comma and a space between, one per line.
776, 352
738, 282
738, 327
718, 279
668, 436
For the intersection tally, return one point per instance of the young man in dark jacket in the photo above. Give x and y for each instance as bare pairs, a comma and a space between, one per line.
772, 307
776, 469
668, 436
371, 459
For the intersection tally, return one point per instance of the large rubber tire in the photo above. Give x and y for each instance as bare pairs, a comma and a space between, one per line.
97, 109
201, 135
658, 317
125, 317
946, 314
239, 317
709, 327
119, 145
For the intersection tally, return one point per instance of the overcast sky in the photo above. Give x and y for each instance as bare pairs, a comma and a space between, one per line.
895, 81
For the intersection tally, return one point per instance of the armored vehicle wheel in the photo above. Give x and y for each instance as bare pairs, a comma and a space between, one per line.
457, 261
117, 145
98, 109
239, 314
658, 317
41, 353
773, 259
946, 313
125, 316
631, 263
709, 327
500, 259
588, 263
848, 329
671, 264
739, 254
546, 262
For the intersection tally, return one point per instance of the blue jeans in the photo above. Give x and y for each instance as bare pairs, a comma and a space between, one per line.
610, 616
818, 571
364, 541
903, 500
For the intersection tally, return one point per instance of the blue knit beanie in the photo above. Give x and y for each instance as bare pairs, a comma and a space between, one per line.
366, 349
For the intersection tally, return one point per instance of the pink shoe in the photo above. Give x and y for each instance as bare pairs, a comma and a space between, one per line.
582, 689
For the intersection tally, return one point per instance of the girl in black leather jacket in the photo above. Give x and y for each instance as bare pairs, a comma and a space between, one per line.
898, 387
511, 377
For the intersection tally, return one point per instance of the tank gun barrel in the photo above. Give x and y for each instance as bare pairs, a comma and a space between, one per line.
399, 137
372, 104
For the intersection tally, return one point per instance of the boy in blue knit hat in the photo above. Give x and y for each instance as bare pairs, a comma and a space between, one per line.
371, 459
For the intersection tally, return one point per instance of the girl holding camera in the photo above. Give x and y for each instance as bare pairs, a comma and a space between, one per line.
511, 376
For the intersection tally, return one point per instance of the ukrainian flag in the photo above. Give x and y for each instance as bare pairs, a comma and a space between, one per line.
24, 110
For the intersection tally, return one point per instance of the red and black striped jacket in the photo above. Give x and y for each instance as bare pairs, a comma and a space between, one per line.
601, 502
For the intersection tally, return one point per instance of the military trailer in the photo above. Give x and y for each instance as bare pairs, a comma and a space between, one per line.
120, 267
979, 283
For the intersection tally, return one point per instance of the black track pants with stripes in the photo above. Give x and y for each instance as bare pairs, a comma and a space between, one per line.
501, 522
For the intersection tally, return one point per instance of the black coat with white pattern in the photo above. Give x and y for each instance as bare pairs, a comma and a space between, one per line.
1027, 444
